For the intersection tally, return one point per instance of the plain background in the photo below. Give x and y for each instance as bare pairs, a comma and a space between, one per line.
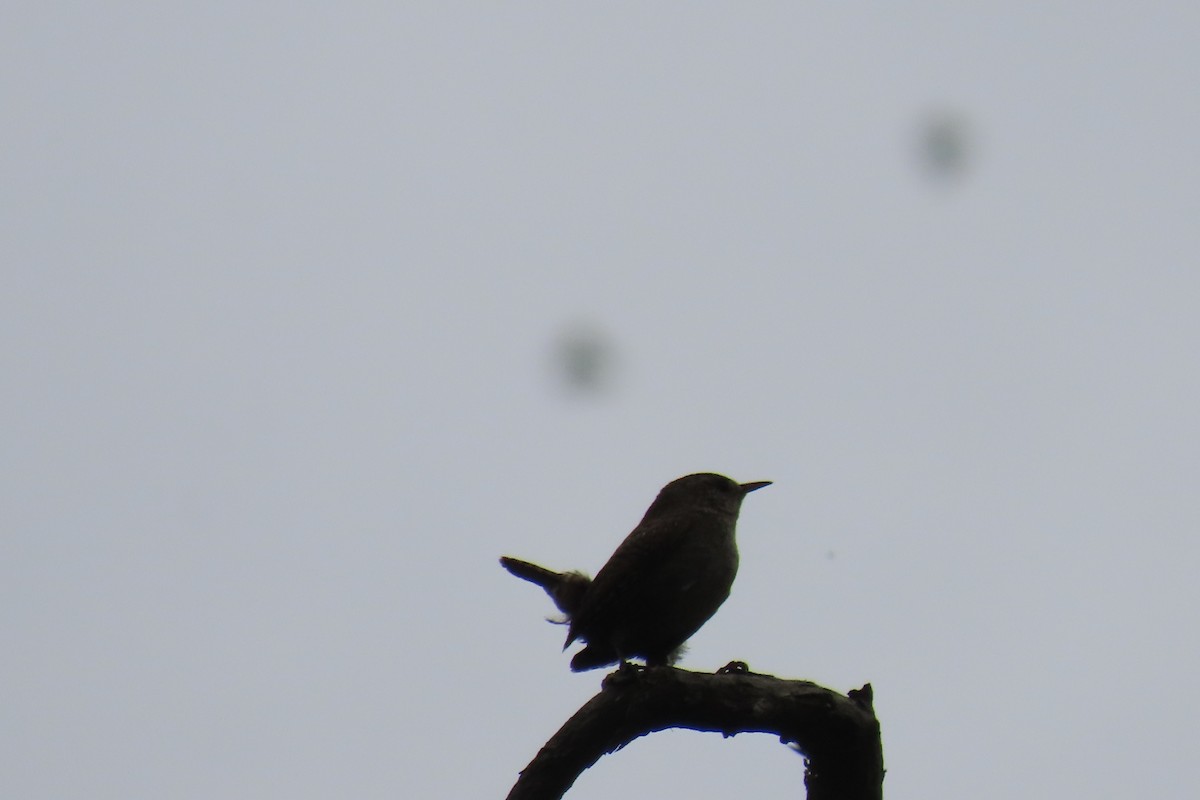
311, 311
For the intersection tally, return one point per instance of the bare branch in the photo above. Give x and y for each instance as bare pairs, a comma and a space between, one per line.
838, 734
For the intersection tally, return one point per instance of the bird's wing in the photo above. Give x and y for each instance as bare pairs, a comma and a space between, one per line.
629, 571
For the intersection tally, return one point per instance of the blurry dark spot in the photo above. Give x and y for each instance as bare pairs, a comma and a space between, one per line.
584, 359
944, 145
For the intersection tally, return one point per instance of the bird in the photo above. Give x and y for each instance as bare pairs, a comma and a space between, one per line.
662, 583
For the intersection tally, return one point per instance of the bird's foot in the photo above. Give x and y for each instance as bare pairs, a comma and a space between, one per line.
735, 668
626, 672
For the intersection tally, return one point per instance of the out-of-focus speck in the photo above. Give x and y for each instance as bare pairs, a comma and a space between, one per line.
830, 555
584, 360
944, 145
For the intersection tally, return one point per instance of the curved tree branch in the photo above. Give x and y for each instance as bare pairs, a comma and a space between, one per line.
838, 734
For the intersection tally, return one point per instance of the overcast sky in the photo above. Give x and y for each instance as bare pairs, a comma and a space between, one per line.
311, 311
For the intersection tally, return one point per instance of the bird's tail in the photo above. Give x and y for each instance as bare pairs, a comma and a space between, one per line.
566, 589
530, 572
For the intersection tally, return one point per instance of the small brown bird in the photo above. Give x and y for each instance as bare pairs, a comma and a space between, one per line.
662, 583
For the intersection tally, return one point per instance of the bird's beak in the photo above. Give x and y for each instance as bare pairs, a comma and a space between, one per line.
747, 488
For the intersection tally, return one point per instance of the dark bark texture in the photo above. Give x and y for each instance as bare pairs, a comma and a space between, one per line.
838, 734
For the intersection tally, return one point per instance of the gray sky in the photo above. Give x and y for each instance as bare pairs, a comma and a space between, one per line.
286, 291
